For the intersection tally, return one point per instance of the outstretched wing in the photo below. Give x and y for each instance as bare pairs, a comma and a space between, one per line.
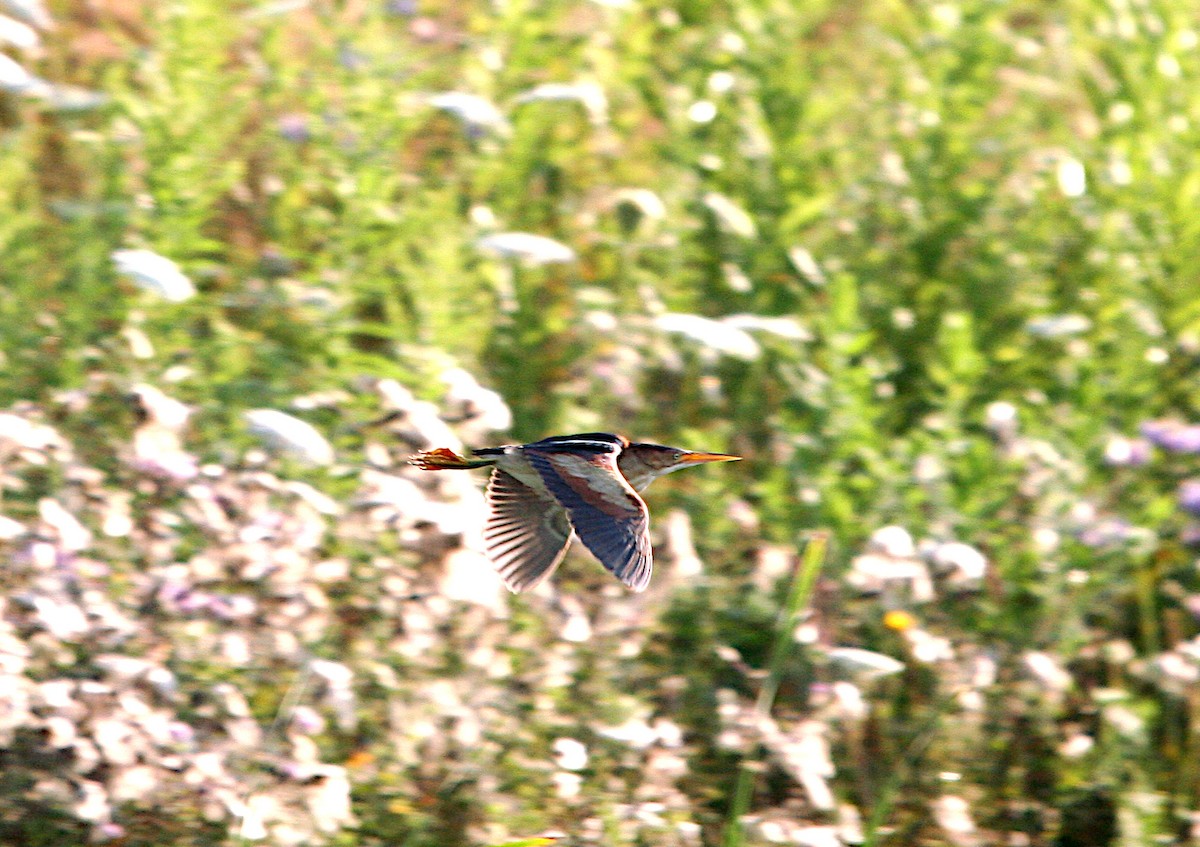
607, 514
526, 534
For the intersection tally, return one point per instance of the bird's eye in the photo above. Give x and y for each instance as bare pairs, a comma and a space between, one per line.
677, 455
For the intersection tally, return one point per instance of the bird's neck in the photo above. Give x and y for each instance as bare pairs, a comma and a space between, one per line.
637, 474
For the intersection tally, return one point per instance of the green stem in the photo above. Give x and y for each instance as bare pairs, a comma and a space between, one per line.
803, 580
1146, 585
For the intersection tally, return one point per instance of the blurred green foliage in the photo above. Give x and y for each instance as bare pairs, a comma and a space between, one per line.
924, 181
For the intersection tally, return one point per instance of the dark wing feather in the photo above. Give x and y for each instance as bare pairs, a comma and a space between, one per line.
607, 514
526, 534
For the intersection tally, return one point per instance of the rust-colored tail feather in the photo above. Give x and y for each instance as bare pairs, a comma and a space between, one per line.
444, 459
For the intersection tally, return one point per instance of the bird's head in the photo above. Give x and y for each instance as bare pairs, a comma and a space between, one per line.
643, 463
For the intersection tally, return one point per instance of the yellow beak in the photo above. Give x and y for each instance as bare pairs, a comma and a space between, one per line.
700, 458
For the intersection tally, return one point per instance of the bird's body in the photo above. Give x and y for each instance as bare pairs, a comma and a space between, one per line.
542, 493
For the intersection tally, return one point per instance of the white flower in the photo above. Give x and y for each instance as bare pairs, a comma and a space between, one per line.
23, 434
1046, 670
569, 754
526, 247
486, 406
339, 689
328, 797
1174, 671
803, 261
1124, 720
420, 416
576, 629
1077, 746
290, 435
928, 469
680, 547
14, 78
947, 15
731, 217
17, 34
721, 82
635, 732
848, 701
10, 529
61, 732
713, 334
788, 328
161, 409
865, 664
71, 534
587, 94
736, 278
1046, 540
953, 815
1057, 326
891, 164
1000, 418
70, 98
154, 273
816, 836
133, 783
773, 831
567, 785
702, 112
894, 541
62, 619
1121, 112
158, 450
929, 648
31, 11
804, 754
873, 572
1168, 66
1072, 178
92, 804
468, 576
253, 828
647, 204
964, 562
476, 112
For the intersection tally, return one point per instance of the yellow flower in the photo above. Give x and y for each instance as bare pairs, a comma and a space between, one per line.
899, 621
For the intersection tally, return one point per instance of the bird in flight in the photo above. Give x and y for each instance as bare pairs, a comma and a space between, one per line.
587, 485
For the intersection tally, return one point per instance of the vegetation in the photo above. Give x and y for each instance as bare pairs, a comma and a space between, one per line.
930, 267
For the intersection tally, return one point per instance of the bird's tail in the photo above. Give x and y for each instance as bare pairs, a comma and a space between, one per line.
445, 459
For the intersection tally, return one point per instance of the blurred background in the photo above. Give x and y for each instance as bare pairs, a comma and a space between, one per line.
932, 268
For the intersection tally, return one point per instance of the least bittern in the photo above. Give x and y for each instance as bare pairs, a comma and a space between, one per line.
587, 484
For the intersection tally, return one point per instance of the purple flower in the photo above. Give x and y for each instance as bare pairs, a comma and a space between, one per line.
109, 831
350, 59
181, 733
1189, 496
294, 127
172, 593
194, 601
232, 606
1185, 439
1108, 532
307, 720
1173, 436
